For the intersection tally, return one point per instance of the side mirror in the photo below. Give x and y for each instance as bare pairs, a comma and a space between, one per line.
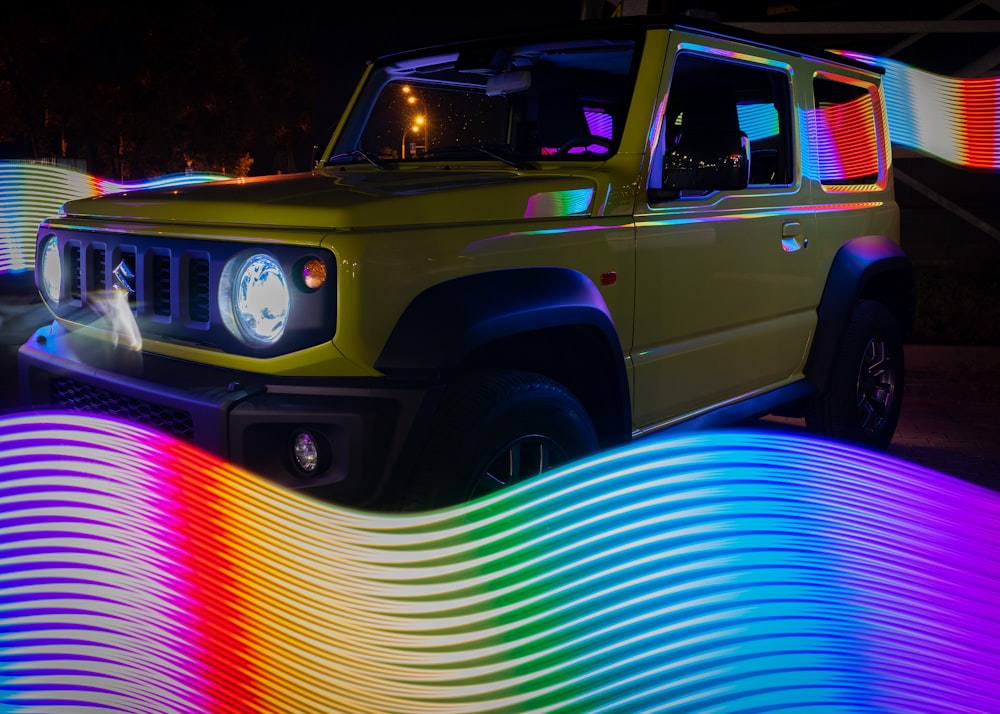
707, 160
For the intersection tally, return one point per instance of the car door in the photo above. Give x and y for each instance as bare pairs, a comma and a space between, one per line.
725, 283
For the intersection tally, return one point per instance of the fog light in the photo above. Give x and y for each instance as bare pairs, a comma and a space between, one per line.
305, 452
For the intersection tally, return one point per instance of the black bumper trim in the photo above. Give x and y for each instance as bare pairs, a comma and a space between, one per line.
366, 425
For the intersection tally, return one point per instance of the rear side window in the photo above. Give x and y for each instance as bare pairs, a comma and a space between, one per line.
848, 134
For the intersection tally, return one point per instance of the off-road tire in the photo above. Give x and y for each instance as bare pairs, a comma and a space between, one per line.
862, 400
488, 415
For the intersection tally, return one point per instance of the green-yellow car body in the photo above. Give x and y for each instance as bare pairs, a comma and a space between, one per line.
646, 271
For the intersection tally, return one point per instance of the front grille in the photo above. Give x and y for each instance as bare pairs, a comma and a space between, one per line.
176, 289
76, 396
169, 282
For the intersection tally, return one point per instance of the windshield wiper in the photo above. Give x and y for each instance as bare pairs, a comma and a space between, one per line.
355, 155
498, 153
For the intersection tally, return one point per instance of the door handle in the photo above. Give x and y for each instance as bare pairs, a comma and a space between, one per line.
790, 237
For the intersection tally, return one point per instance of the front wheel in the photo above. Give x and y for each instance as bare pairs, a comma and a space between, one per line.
862, 401
496, 428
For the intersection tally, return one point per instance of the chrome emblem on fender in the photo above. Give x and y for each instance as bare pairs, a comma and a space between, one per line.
123, 279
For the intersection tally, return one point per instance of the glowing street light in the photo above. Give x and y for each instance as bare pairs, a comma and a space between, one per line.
421, 121
414, 129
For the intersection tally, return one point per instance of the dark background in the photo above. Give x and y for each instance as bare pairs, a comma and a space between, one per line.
135, 90
129, 91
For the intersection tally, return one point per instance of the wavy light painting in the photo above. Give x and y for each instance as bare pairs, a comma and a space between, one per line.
951, 118
571, 202
31, 192
848, 145
726, 572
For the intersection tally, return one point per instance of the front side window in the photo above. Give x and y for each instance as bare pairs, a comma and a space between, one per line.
716, 99
518, 103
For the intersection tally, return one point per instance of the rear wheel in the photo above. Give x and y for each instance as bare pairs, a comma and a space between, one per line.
862, 400
496, 428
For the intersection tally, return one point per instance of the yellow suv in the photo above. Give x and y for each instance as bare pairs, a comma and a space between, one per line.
513, 252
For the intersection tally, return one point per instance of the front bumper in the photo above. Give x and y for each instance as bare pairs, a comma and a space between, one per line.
367, 427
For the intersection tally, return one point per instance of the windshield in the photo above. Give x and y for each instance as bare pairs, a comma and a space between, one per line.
516, 103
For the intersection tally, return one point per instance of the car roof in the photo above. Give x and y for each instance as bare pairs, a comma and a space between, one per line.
634, 26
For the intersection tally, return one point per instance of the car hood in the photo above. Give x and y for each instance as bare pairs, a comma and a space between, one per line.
352, 199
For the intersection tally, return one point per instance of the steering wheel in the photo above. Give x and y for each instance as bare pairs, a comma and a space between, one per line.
584, 141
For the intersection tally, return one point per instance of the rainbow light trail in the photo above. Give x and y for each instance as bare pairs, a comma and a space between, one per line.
31, 192
848, 147
953, 119
718, 572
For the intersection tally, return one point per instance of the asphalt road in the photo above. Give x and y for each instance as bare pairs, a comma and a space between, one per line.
950, 420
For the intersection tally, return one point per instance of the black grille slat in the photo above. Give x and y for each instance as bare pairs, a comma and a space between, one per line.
100, 272
198, 290
76, 396
161, 285
76, 273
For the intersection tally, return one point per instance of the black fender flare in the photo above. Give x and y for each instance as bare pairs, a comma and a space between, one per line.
450, 321
872, 266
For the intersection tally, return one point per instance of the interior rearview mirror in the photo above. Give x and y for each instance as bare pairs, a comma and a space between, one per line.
508, 82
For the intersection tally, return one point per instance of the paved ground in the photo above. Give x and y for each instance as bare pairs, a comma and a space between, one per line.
951, 408
951, 412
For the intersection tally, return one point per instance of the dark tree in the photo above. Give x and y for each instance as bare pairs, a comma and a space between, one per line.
138, 90
133, 90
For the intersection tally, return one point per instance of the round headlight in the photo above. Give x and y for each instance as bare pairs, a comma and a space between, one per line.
261, 299
50, 269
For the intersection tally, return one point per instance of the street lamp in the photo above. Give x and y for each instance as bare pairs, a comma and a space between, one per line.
420, 121
414, 129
